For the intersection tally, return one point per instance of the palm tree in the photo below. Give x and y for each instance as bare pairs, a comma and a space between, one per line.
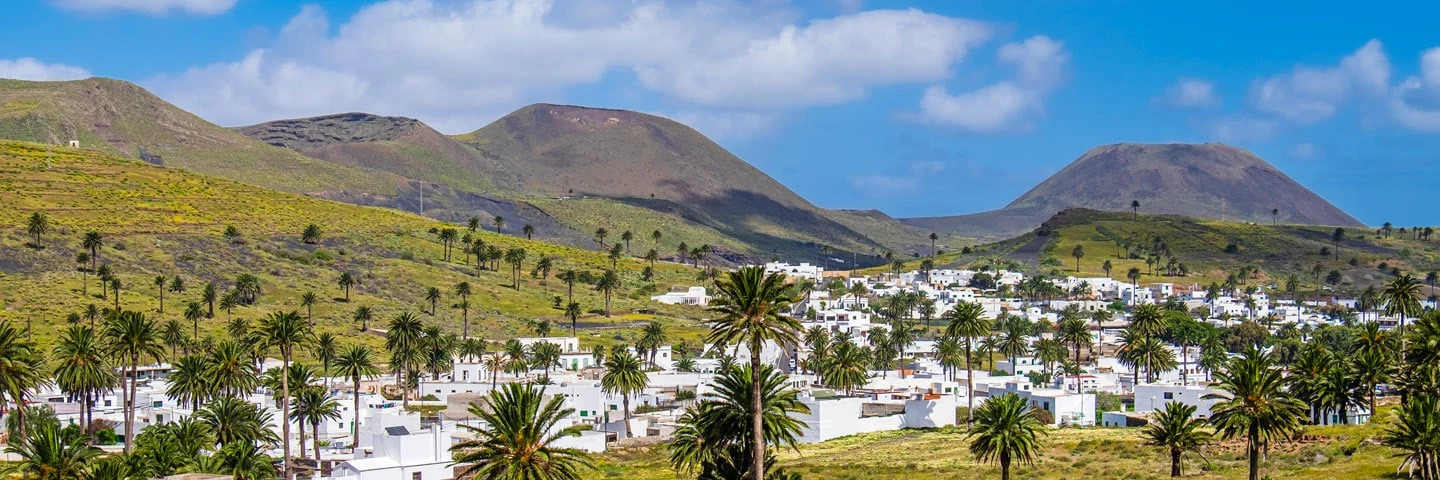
103, 274
1255, 404
1173, 428
1401, 297
363, 315
49, 453
1075, 333
39, 224
1135, 208
194, 312
1078, 252
92, 242
324, 350
529, 231
82, 369
311, 234
403, 340
160, 288
753, 308
624, 376
1337, 237
652, 335
208, 295
473, 224
21, 370
515, 257
1006, 429
356, 363
626, 236
115, 286
714, 436
572, 310
187, 381
1370, 369
499, 222
231, 370
1416, 431
308, 300
608, 282
247, 288
517, 440
285, 331
313, 406
346, 281
174, 335
1107, 267
432, 295
132, 337
236, 421
966, 323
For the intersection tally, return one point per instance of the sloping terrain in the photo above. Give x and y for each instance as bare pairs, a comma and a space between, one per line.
1209, 250
586, 168
122, 118
1206, 181
157, 221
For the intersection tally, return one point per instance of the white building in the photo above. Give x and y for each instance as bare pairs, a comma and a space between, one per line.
1065, 408
692, 296
841, 416
403, 452
803, 270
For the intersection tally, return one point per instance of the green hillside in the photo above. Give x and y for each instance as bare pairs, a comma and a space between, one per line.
1210, 250
1338, 452
158, 221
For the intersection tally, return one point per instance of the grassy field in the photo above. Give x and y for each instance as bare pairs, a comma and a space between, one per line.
1341, 452
1204, 246
159, 221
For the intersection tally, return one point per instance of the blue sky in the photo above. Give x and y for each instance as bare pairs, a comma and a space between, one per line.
914, 108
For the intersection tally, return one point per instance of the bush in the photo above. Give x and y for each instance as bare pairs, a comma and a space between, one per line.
1044, 416
429, 398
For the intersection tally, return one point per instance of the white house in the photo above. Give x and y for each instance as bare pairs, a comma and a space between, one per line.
1066, 408
403, 451
691, 296
841, 416
803, 270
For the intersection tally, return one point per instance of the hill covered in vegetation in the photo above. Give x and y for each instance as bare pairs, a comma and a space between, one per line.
158, 222
1186, 250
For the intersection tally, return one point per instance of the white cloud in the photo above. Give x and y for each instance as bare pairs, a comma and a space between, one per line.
828, 61
1243, 128
150, 7
31, 69
457, 65
1415, 102
1040, 65
1304, 151
1039, 61
1189, 93
988, 109
1309, 94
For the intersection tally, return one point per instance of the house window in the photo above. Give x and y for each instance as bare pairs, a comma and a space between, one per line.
1169, 395
415, 476
157, 404
107, 403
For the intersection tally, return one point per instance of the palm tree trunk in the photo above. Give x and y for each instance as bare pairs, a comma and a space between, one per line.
625, 401
1174, 462
969, 385
1004, 465
757, 434
285, 412
301, 423
1254, 452
315, 438
355, 427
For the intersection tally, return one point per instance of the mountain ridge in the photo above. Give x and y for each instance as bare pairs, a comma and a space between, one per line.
1211, 180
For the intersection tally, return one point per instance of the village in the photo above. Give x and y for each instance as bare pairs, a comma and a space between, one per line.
1096, 387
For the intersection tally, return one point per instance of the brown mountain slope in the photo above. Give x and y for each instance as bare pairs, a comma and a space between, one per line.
1207, 181
659, 164
122, 118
